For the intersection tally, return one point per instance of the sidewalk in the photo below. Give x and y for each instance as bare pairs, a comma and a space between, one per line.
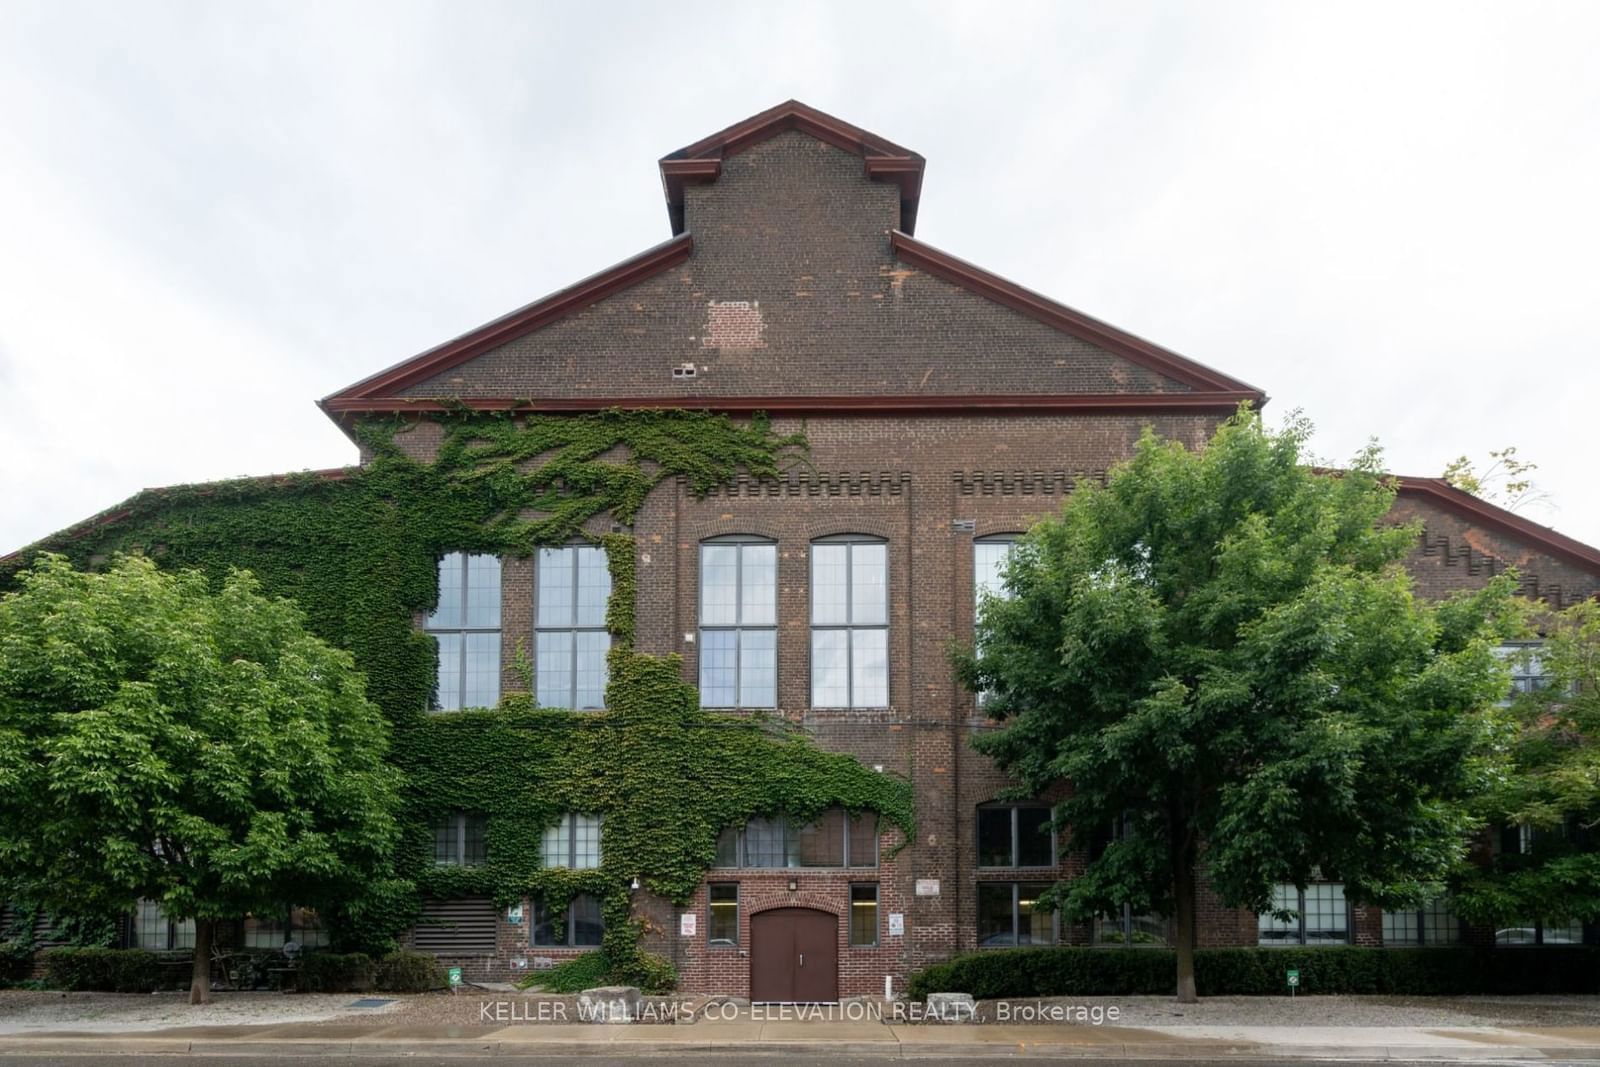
1478, 1044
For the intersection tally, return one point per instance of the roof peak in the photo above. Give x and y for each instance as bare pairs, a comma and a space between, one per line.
702, 161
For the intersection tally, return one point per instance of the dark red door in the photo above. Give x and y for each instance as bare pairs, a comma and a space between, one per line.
794, 955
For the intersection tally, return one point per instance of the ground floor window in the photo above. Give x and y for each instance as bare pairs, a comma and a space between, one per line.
1130, 929
300, 925
864, 915
1320, 916
578, 925
722, 918
154, 931
1535, 932
1008, 915
1434, 923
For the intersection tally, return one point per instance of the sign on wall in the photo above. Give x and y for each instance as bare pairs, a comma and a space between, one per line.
897, 924
927, 887
686, 924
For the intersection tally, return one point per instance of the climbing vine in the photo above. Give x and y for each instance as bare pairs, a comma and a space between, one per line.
358, 550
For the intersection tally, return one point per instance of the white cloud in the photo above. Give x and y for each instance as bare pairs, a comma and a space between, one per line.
214, 214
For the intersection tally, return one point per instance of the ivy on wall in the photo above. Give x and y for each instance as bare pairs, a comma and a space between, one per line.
359, 552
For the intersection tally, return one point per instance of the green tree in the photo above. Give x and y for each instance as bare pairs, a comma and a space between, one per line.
1506, 481
1219, 652
1550, 798
159, 741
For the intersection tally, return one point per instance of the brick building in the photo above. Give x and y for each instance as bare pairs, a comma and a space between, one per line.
946, 409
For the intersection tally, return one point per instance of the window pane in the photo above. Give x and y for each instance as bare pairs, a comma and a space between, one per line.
1523, 933
1270, 931
555, 587
483, 592
994, 915
592, 648
1035, 925
588, 927
728, 847
183, 933
586, 841
149, 926
553, 668
594, 586
821, 843
1568, 933
864, 839
764, 844
305, 927
549, 925
719, 585
1327, 919
830, 668
719, 675
476, 847
447, 697
1439, 923
869, 589
1400, 927
722, 925
863, 915
1034, 837
444, 841
482, 680
758, 669
448, 613
870, 669
759, 588
264, 933
988, 561
829, 589
994, 837
557, 848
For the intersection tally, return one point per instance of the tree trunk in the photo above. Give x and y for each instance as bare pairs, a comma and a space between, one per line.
1184, 919
200, 984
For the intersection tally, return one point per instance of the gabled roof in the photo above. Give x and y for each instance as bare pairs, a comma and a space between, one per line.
1482, 513
883, 159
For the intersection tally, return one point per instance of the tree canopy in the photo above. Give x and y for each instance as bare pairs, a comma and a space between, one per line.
160, 741
1219, 655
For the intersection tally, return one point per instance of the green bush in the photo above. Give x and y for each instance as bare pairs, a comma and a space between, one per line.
407, 972
16, 960
333, 972
109, 970
1054, 972
572, 976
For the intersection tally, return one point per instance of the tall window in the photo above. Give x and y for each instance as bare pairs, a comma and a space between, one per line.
574, 841
864, 914
458, 840
722, 920
579, 924
989, 555
1434, 923
849, 623
154, 931
570, 623
833, 839
466, 626
1321, 916
1009, 914
1015, 835
738, 623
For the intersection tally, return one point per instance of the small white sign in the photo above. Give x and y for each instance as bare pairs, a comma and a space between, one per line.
514, 914
686, 924
927, 887
897, 924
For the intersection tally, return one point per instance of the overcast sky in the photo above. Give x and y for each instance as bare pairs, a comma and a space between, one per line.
213, 213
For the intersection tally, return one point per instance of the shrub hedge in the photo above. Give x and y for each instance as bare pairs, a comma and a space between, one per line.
112, 970
1053, 972
408, 972
16, 960
333, 972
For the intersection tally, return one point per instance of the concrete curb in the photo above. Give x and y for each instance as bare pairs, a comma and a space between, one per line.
1168, 1051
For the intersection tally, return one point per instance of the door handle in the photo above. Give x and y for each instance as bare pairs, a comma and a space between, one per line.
802, 959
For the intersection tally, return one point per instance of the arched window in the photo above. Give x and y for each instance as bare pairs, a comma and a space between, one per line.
738, 623
849, 622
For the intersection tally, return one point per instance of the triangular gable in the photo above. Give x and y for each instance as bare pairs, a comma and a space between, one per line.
1481, 513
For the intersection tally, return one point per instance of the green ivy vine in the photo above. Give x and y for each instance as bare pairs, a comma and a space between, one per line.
359, 551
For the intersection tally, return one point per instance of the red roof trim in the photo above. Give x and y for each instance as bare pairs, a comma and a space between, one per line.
525, 319
1222, 403
885, 160
1484, 513
1034, 305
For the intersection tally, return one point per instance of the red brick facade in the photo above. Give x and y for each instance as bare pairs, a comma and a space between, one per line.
793, 289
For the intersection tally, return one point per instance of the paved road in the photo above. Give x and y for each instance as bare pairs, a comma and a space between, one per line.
719, 1060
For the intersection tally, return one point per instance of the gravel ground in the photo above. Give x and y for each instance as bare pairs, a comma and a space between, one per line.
27, 1011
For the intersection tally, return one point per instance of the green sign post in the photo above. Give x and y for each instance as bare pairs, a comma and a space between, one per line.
1293, 978
455, 979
